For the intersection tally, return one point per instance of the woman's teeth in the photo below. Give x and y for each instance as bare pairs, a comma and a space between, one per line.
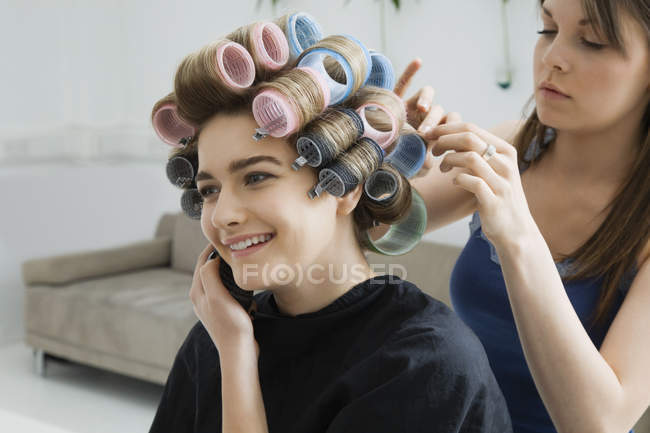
250, 241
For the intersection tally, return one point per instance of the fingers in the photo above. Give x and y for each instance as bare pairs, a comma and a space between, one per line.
476, 186
424, 99
432, 119
464, 137
197, 285
477, 166
459, 142
405, 79
451, 117
210, 279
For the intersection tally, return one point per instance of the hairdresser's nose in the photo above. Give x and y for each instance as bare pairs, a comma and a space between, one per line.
556, 55
229, 211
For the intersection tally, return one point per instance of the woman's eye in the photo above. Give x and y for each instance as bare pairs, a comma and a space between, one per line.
205, 192
546, 32
593, 45
254, 178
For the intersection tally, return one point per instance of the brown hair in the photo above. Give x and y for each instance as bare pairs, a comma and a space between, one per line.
199, 97
612, 250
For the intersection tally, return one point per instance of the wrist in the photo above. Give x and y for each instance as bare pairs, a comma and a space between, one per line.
521, 242
237, 350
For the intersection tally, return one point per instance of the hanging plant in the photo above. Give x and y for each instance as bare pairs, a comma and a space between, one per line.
396, 3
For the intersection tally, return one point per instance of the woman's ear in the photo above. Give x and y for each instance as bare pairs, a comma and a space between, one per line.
349, 201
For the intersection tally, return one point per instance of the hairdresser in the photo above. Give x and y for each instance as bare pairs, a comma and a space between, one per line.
555, 276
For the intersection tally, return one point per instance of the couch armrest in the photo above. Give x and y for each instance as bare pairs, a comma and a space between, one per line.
63, 269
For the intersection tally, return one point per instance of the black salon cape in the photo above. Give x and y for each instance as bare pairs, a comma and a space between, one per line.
384, 357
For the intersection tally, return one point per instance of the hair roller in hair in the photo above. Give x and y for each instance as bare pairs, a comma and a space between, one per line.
282, 106
409, 154
171, 128
350, 168
381, 186
192, 203
349, 57
368, 58
302, 31
383, 138
181, 171
318, 145
266, 43
275, 114
382, 73
322, 83
220, 73
235, 65
404, 235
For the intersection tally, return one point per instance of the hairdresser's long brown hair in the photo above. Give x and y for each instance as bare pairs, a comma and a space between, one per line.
611, 252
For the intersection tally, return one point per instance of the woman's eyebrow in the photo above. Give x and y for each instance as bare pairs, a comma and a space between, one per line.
240, 164
582, 22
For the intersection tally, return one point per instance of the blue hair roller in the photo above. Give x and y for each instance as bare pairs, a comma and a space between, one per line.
409, 155
382, 73
366, 52
314, 59
302, 32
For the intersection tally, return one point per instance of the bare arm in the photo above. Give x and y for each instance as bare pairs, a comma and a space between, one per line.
241, 394
583, 389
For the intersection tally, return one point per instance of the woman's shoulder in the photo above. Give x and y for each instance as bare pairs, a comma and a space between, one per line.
436, 326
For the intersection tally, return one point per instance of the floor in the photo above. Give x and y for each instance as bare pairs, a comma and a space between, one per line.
71, 398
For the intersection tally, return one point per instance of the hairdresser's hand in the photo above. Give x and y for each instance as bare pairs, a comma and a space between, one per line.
421, 112
496, 184
228, 324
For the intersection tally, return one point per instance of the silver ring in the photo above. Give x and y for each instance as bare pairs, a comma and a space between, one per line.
489, 152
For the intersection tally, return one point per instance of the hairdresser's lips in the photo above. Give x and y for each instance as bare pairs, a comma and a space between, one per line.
250, 250
549, 91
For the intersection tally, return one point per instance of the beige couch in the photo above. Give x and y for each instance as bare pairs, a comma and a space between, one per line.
127, 309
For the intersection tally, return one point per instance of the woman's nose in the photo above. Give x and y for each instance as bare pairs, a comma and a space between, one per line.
556, 55
228, 211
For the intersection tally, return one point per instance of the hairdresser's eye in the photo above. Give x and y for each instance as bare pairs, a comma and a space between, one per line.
592, 45
253, 178
547, 32
205, 192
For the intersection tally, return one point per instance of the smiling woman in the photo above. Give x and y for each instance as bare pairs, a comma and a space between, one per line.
287, 185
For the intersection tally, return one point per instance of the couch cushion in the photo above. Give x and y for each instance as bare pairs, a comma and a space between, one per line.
66, 268
142, 316
187, 243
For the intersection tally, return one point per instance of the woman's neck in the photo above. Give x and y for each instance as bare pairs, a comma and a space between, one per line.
323, 282
597, 158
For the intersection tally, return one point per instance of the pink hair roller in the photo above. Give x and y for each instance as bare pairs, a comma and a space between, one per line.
271, 45
275, 115
171, 128
325, 89
235, 65
383, 138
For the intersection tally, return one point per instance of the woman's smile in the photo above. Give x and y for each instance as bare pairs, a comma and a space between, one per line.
251, 248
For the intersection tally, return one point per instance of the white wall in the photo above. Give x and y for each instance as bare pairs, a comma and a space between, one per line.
79, 79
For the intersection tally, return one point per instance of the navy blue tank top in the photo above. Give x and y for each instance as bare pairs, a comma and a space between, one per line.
479, 297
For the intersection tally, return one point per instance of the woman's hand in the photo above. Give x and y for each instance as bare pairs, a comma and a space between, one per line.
494, 180
421, 113
228, 324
